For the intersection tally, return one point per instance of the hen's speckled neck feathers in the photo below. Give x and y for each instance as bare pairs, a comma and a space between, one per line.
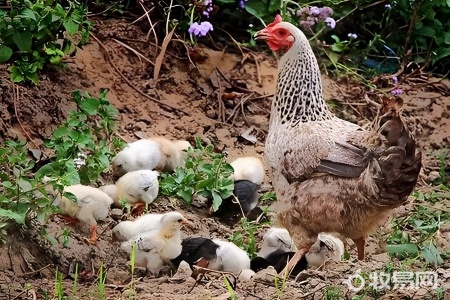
299, 87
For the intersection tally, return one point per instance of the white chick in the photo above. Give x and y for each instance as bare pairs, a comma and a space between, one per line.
143, 154
246, 275
230, 258
172, 153
138, 188
326, 247
125, 230
92, 205
248, 168
276, 239
158, 246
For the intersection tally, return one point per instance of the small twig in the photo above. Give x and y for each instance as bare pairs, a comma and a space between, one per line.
34, 272
152, 26
108, 58
134, 51
159, 59
233, 85
258, 70
408, 34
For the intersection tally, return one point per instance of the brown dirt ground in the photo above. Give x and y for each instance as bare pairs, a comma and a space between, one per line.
186, 101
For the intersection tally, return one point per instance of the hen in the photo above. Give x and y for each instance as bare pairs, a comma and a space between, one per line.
325, 166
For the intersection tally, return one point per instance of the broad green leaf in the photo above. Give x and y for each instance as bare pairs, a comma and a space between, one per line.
274, 5
403, 250
256, 8
23, 41
20, 219
60, 131
71, 26
426, 31
186, 195
33, 77
5, 53
217, 200
27, 13
442, 52
16, 74
24, 185
90, 106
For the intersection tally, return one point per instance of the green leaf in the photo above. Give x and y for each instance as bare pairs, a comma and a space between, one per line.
71, 26
90, 106
33, 77
448, 3
274, 5
403, 250
217, 200
23, 41
60, 132
226, 1
27, 13
16, 74
426, 31
256, 8
20, 219
186, 195
432, 255
447, 37
24, 185
5, 53
441, 53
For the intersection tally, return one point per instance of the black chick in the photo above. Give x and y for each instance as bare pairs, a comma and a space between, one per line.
247, 194
278, 259
196, 250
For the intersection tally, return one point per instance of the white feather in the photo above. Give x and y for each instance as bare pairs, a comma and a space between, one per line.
248, 168
332, 248
230, 258
276, 239
128, 229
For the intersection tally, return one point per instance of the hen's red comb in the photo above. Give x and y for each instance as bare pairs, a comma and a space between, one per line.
277, 20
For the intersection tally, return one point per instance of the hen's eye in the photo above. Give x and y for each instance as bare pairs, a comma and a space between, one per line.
281, 32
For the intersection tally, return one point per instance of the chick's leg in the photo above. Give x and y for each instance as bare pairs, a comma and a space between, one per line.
360, 247
294, 260
138, 209
68, 219
94, 238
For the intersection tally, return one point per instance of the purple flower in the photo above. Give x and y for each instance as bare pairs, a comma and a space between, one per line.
200, 29
395, 80
352, 36
314, 10
397, 92
324, 13
330, 22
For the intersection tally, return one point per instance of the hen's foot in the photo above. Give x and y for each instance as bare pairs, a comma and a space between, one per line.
294, 260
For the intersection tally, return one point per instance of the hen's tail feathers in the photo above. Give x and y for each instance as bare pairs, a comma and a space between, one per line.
399, 161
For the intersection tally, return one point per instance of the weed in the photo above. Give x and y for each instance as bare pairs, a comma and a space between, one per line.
205, 173
24, 199
75, 281
233, 295
280, 287
101, 282
59, 288
40, 33
244, 236
333, 293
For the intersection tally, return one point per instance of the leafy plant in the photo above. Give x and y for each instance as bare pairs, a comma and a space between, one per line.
84, 143
40, 33
333, 293
24, 198
415, 234
244, 236
205, 173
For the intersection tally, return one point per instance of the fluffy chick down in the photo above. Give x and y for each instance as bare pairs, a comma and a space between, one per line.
276, 239
156, 247
126, 230
248, 168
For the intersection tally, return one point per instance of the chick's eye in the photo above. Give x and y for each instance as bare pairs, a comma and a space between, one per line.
180, 220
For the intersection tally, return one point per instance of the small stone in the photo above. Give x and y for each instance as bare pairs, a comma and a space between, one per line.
116, 213
433, 176
184, 271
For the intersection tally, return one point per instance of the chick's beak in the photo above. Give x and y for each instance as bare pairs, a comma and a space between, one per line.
262, 35
185, 222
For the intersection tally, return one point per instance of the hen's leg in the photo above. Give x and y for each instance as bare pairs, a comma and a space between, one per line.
360, 247
138, 209
294, 260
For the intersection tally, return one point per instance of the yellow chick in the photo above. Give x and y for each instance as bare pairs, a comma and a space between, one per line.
92, 205
138, 188
156, 247
125, 230
248, 168
326, 247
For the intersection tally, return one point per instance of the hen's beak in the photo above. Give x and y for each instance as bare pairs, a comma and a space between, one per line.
262, 35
